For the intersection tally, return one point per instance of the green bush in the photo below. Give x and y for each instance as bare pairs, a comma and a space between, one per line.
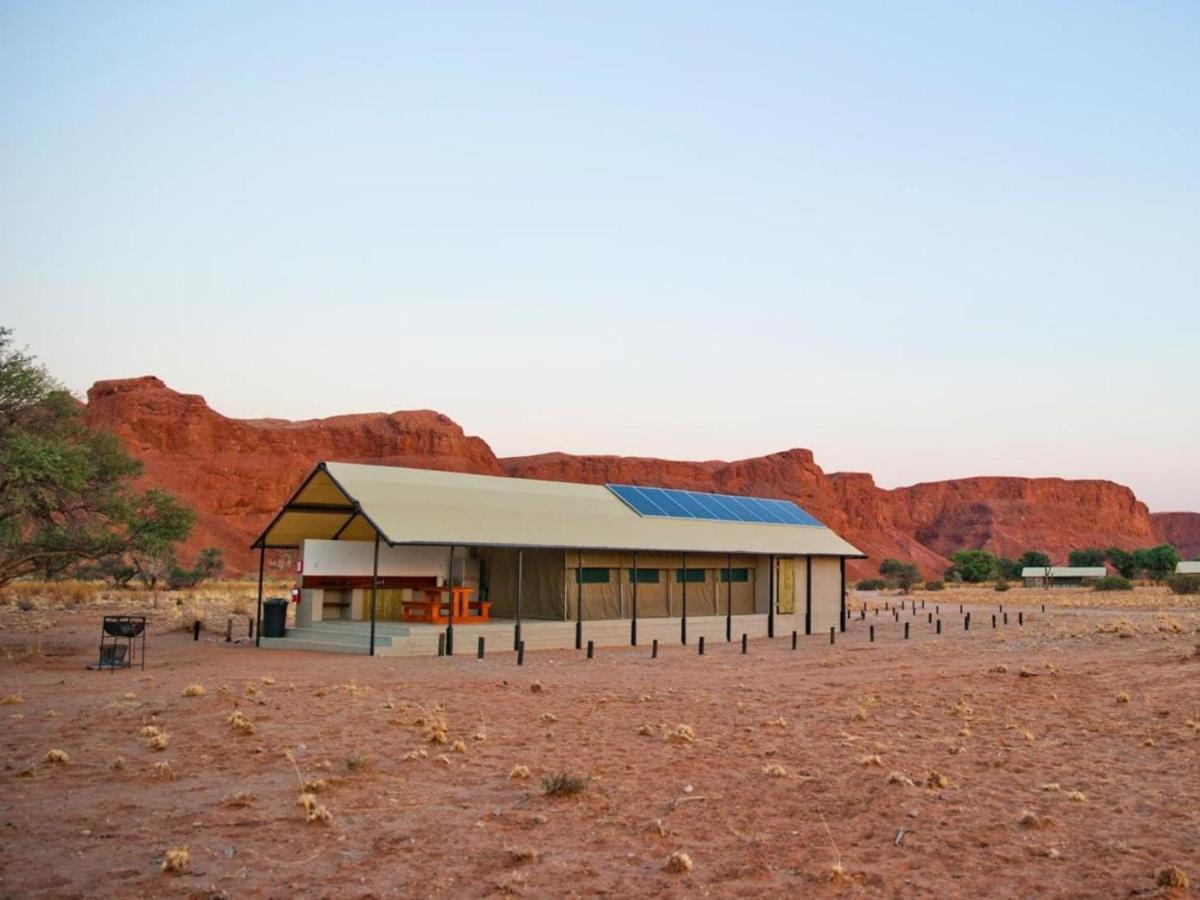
871, 584
1184, 584
1112, 583
1001, 585
934, 585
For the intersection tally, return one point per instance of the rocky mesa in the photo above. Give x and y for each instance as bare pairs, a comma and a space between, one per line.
236, 473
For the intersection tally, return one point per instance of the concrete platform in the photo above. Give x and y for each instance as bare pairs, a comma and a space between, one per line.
418, 639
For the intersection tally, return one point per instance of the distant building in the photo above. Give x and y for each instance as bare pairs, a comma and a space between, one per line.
1061, 576
1187, 568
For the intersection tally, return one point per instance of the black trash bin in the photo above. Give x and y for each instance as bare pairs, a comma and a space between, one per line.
274, 623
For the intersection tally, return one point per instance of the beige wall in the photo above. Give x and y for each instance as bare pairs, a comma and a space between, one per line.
827, 593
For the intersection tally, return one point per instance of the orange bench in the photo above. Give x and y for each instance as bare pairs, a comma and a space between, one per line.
437, 608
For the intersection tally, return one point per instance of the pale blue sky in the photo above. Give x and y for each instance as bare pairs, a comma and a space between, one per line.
923, 240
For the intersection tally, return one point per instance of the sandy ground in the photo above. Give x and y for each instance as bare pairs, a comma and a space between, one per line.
784, 789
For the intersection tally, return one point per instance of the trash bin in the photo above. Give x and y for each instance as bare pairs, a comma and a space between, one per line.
274, 623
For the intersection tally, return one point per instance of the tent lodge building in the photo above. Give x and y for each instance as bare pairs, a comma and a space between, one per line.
394, 560
1061, 576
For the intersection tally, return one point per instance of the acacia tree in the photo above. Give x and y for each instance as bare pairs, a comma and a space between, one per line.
66, 495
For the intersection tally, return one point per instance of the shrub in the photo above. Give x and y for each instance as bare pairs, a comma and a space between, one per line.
1112, 583
870, 584
934, 585
1184, 584
1001, 585
562, 784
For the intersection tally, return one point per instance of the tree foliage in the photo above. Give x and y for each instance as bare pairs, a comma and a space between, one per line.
972, 566
1034, 559
1156, 562
66, 497
1088, 556
1122, 561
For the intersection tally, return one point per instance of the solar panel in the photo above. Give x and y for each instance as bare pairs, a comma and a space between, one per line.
666, 503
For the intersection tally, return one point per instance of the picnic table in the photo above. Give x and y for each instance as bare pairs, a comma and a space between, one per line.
439, 605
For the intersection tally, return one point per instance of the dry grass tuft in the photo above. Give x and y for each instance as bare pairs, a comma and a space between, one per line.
267, 679
117, 764
238, 722
175, 861
315, 785
518, 856
999, 669
861, 714
194, 690
1030, 819
937, 780
646, 730
433, 724
678, 862
357, 763
160, 741
443, 759
239, 800
307, 800
163, 770
774, 770
1076, 796
873, 759
56, 758
419, 753
563, 784
458, 747
780, 722
546, 718
898, 778
1052, 786
680, 734
519, 772
1172, 877
1123, 697
12, 700
149, 731
319, 815
537, 688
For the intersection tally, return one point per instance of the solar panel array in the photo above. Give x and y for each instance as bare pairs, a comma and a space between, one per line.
672, 504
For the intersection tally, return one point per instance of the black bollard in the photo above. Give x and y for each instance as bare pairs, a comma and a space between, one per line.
1020, 618
250, 628
633, 633
196, 630
521, 653
654, 649
967, 622
479, 650
1006, 618
931, 618
450, 639
832, 634
872, 634
794, 635
700, 645
229, 629
743, 645
1043, 607
939, 626
960, 609
906, 631
591, 649
863, 614
441, 643
993, 620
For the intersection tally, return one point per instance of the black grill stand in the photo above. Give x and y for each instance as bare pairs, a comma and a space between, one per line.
119, 642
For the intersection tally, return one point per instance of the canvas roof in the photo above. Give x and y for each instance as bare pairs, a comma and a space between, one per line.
1187, 568
1064, 572
349, 501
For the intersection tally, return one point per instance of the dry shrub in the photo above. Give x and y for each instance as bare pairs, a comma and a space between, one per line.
1076, 796
442, 758
537, 688
160, 741
163, 770
517, 856
1030, 819
678, 862
56, 758
12, 700
999, 669
149, 731
519, 772
1172, 877
239, 800
307, 800
239, 723
936, 780
433, 724
647, 730
563, 784
547, 718
419, 753
194, 690
319, 815
680, 734
1052, 786
315, 786
480, 735
774, 770
117, 764
458, 747
861, 714
357, 763
898, 778
267, 679
873, 759
780, 722
175, 861
1123, 697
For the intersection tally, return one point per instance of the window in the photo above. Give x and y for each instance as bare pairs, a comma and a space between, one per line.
735, 575
643, 576
591, 576
692, 575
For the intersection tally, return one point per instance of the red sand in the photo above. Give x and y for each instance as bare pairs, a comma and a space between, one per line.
427, 828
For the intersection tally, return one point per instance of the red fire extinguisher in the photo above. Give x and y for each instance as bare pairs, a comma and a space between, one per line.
295, 595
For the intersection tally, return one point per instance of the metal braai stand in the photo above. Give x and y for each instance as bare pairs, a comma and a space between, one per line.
119, 642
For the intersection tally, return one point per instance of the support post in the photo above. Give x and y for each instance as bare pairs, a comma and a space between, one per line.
794, 637
700, 644
842, 582
808, 595
770, 596
579, 604
520, 592
683, 620
479, 651
262, 563
633, 621
450, 624
374, 591
728, 597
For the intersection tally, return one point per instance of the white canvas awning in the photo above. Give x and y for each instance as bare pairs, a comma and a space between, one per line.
1064, 572
1187, 568
350, 501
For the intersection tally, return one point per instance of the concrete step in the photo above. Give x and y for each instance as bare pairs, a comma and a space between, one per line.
288, 643
340, 636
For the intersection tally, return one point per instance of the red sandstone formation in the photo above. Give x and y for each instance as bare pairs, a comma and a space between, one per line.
237, 472
1180, 529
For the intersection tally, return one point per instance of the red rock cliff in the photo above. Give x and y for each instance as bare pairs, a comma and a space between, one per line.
237, 472
1180, 529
